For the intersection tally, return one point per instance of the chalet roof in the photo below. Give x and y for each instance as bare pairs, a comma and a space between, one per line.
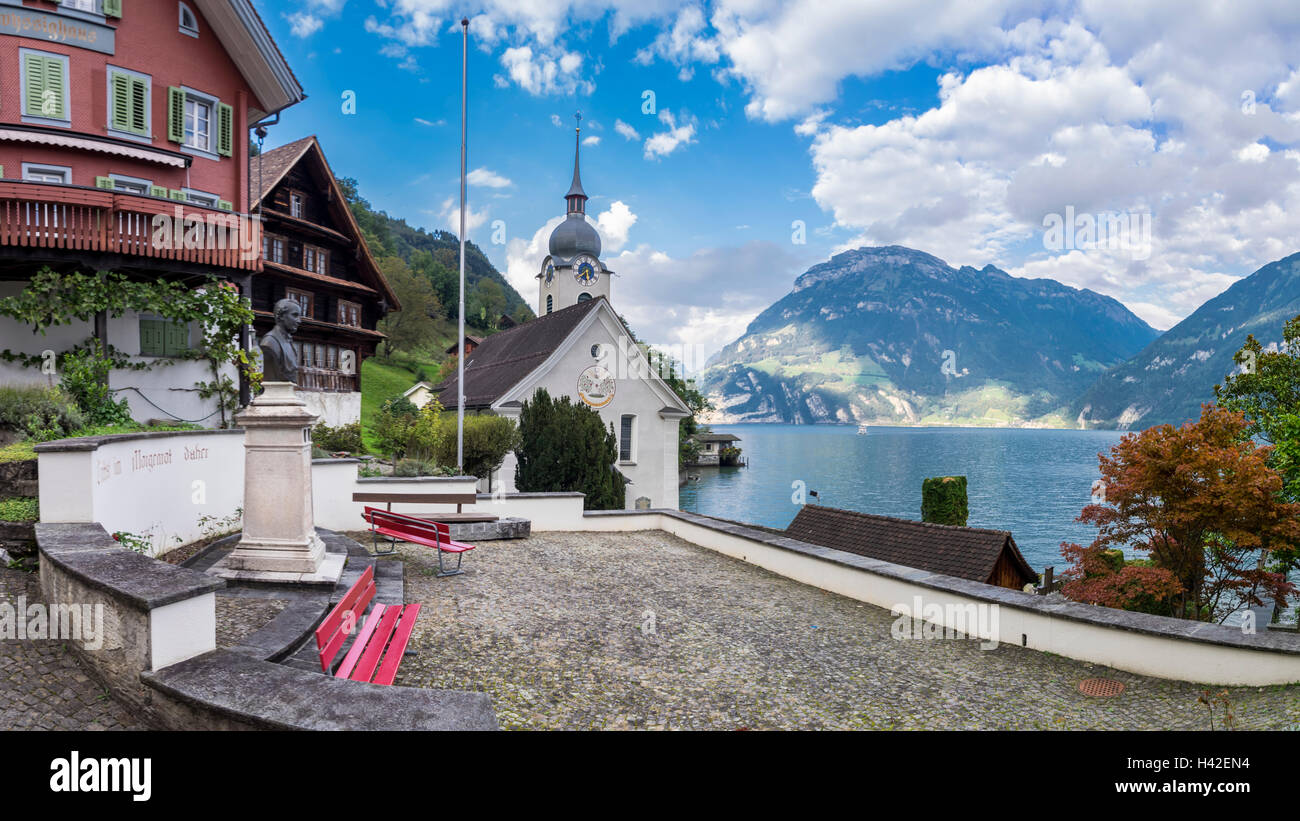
476, 340
964, 552
715, 437
250, 45
504, 358
278, 162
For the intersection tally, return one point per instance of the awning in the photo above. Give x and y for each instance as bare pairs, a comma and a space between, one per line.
91, 144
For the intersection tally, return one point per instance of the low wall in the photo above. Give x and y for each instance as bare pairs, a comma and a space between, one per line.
1139, 643
154, 485
546, 511
335, 480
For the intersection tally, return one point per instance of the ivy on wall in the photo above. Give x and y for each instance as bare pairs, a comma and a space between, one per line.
53, 298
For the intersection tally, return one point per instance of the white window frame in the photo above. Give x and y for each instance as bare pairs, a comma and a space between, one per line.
148, 104
181, 10
34, 119
300, 201
147, 185
630, 442
39, 168
195, 96
201, 198
94, 14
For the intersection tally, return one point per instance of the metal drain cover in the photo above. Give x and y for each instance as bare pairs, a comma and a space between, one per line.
1101, 687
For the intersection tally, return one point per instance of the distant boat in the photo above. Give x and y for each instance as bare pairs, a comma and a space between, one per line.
862, 430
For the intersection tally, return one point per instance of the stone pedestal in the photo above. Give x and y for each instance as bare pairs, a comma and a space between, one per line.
279, 535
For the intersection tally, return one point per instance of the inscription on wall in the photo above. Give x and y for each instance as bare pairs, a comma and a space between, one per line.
55, 28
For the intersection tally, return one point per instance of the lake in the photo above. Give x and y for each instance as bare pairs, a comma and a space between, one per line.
1031, 482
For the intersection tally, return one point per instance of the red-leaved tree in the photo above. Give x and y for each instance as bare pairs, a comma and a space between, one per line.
1203, 502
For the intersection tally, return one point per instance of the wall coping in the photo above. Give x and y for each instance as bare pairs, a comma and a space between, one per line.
275, 696
90, 443
1160, 626
88, 554
330, 460
558, 494
430, 479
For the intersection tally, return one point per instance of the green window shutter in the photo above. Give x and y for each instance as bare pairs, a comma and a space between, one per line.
119, 106
140, 106
43, 96
225, 205
225, 129
2, 172
158, 191
178, 194
103, 182
112, 8
151, 337
175, 115
176, 338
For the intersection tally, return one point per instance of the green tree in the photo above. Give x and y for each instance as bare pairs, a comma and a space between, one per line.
415, 326
487, 441
565, 447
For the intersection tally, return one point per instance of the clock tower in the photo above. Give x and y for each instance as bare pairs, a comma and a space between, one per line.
572, 272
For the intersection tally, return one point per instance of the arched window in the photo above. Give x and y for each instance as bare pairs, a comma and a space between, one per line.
549, 301
189, 24
584, 296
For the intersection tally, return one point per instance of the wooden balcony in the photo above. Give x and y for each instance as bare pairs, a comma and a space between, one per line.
91, 220
325, 379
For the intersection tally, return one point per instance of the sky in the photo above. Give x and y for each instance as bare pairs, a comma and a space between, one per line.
730, 145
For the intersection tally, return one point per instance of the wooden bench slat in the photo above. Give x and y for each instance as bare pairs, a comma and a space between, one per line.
418, 498
365, 669
331, 634
363, 638
397, 647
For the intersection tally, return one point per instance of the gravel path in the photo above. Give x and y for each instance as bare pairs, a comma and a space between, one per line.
42, 686
644, 630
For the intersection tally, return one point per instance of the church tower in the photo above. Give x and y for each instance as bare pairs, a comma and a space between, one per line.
572, 272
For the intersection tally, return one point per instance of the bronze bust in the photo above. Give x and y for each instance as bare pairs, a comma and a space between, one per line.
279, 360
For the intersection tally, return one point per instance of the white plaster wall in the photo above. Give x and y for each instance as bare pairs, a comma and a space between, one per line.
333, 408
335, 510
182, 630
544, 512
19, 338
192, 475
167, 391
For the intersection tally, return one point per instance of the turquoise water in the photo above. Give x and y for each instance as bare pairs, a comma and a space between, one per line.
1031, 482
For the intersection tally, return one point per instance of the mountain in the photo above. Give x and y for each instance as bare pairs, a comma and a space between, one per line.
1171, 377
391, 236
891, 335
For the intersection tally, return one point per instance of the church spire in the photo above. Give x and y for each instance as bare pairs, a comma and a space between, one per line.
577, 198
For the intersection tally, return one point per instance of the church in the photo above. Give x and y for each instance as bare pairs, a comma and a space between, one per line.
579, 347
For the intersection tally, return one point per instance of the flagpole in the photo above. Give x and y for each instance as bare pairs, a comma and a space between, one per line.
460, 349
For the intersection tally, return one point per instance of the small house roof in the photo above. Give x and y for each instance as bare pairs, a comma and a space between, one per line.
473, 340
715, 437
964, 552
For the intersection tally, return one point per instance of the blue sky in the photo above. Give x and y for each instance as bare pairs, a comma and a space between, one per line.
951, 127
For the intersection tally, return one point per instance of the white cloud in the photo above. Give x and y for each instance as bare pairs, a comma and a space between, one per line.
663, 143
487, 179
627, 131
448, 217
304, 24
591, 140
556, 121
543, 71
613, 225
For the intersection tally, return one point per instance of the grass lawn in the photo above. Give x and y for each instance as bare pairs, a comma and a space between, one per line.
381, 380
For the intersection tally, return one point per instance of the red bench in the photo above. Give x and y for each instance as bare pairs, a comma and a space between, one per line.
397, 527
388, 627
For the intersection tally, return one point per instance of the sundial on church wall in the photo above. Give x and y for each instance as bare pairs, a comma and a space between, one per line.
596, 386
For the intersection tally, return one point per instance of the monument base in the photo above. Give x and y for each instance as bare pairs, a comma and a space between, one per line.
253, 563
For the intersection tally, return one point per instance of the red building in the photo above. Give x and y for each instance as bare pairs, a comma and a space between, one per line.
114, 113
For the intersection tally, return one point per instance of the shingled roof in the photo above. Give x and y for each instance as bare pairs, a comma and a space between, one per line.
506, 357
964, 552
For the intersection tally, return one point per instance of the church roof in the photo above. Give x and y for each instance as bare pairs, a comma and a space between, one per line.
506, 357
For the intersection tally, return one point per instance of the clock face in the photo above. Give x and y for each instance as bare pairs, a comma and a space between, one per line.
585, 271
549, 271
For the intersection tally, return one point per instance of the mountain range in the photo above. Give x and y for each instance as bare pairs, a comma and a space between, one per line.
891, 335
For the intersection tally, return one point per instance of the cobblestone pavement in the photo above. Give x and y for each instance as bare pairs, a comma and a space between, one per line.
552, 628
42, 686
238, 617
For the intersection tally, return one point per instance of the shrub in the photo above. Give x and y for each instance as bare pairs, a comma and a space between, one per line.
729, 456
85, 378
319, 453
943, 500
19, 509
393, 424
41, 413
343, 438
487, 441
415, 467
426, 434
563, 447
